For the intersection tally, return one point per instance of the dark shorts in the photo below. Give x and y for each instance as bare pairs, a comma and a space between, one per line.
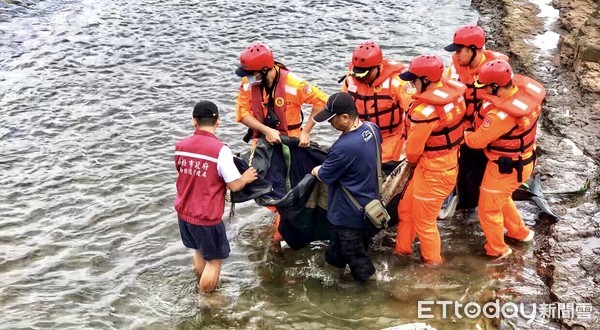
210, 240
348, 246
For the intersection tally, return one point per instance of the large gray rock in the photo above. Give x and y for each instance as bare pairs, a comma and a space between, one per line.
589, 50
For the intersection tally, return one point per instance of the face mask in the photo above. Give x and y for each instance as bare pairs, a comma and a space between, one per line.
254, 80
410, 88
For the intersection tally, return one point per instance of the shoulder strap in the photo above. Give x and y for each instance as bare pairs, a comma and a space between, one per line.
377, 145
352, 199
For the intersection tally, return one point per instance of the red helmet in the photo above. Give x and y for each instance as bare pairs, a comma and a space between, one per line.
367, 55
495, 72
429, 66
467, 36
254, 58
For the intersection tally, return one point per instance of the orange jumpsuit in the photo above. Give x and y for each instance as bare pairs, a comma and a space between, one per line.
435, 131
383, 102
471, 163
297, 92
507, 135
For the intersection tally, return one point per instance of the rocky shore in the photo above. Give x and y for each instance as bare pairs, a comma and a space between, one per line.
567, 252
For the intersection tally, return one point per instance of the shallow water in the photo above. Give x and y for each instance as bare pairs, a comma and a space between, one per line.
94, 95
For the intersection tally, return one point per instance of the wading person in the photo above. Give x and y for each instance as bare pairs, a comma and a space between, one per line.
506, 131
381, 97
351, 164
270, 100
435, 130
468, 59
205, 169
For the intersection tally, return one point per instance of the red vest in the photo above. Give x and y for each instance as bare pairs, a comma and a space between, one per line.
473, 97
200, 190
374, 102
449, 107
525, 104
278, 106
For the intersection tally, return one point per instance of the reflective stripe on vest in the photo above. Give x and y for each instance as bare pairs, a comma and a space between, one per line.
467, 75
449, 135
525, 105
448, 104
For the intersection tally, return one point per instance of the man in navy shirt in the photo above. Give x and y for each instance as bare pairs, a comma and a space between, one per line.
352, 163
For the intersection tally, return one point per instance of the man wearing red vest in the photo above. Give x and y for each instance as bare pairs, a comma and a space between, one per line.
205, 169
506, 131
381, 96
469, 57
435, 130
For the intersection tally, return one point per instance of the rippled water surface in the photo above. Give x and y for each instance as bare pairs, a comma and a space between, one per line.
94, 95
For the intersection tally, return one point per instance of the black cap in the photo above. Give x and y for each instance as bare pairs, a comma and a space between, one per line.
337, 104
408, 76
242, 73
453, 47
205, 109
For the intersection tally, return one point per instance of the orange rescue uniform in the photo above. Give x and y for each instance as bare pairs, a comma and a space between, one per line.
435, 131
471, 163
297, 92
383, 102
506, 130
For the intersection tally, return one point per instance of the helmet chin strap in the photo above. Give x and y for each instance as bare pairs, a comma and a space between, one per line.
376, 76
263, 76
378, 72
495, 89
474, 51
424, 84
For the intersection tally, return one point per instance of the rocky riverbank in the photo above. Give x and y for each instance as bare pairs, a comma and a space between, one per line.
568, 252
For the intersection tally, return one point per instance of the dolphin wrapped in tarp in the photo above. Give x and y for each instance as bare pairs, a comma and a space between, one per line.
280, 167
300, 198
284, 182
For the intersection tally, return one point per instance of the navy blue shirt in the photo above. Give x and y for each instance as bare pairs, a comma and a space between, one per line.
352, 162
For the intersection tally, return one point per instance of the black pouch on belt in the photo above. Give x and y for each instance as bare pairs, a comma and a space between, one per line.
248, 135
505, 165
